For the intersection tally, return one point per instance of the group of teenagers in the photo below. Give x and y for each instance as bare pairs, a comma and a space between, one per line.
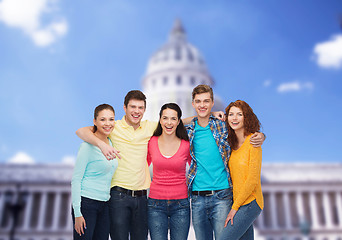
220, 188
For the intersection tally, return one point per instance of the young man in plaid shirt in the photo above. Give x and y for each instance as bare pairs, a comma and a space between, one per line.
209, 180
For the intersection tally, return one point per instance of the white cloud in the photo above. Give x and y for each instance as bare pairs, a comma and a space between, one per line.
267, 83
295, 86
27, 16
21, 158
329, 54
69, 160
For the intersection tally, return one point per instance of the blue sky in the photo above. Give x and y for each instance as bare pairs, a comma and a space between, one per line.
60, 59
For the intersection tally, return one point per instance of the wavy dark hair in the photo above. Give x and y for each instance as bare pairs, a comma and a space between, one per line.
180, 130
98, 109
250, 121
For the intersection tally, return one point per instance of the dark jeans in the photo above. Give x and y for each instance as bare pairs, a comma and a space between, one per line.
168, 214
96, 216
128, 216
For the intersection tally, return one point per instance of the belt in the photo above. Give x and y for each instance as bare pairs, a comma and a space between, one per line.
132, 193
205, 193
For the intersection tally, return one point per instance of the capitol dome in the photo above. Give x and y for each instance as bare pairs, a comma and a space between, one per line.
172, 72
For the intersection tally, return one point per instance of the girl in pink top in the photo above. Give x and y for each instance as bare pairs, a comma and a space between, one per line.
168, 151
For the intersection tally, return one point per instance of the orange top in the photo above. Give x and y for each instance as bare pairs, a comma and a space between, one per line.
245, 168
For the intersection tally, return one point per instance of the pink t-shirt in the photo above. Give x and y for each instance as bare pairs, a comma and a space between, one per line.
169, 174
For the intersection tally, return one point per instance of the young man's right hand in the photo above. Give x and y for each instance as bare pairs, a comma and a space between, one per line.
87, 134
109, 152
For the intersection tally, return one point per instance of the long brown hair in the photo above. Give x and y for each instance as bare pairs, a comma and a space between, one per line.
250, 121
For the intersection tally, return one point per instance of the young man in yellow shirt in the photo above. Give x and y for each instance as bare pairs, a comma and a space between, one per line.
128, 202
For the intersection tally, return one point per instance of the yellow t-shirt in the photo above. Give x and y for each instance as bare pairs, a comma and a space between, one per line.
245, 169
132, 172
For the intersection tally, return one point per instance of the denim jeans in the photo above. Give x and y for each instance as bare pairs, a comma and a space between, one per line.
168, 214
210, 212
242, 227
96, 216
128, 216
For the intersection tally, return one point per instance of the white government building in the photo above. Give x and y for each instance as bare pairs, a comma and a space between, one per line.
172, 72
302, 200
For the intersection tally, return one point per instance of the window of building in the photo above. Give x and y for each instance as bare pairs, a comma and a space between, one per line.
179, 80
190, 55
166, 55
165, 80
192, 81
178, 53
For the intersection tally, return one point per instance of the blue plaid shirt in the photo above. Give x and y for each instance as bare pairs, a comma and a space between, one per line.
220, 134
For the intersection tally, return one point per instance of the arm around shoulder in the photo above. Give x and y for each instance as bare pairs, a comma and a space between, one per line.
86, 134
257, 139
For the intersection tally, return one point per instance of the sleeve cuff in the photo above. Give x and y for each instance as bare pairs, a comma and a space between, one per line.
77, 211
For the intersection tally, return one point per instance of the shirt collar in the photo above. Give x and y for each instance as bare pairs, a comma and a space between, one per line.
125, 124
192, 123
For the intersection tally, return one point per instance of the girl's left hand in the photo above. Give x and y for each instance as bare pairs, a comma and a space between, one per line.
230, 216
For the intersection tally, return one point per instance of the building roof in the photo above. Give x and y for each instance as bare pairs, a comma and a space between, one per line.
177, 53
271, 172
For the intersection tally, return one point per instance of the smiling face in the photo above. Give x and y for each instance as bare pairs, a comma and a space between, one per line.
203, 104
236, 118
105, 122
169, 121
134, 110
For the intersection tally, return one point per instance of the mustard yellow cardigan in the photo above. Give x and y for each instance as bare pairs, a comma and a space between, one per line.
245, 168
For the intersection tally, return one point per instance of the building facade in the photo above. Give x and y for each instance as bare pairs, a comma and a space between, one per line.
299, 199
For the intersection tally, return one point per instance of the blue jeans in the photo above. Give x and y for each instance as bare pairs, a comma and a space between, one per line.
210, 212
165, 214
243, 223
96, 216
128, 216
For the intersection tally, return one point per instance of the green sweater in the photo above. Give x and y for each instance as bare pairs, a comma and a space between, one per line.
92, 176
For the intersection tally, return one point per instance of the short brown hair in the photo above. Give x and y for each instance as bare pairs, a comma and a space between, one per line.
135, 94
202, 88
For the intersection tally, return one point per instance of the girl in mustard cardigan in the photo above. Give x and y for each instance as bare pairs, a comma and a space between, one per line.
245, 167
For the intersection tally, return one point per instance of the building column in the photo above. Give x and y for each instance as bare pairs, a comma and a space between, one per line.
287, 210
69, 225
28, 212
327, 211
42, 211
338, 202
2, 205
300, 206
56, 212
261, 221
313, 210
273, 210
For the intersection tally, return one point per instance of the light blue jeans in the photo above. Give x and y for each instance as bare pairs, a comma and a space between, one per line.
243, 223
210, 212
168, 214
